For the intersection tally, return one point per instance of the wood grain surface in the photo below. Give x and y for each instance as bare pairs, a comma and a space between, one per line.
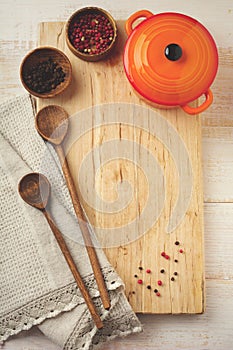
213, 329
105, 83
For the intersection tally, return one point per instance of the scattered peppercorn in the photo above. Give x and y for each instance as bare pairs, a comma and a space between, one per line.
163, 254
172, 279
167, 257
140, 268
133, 292
177, 243
148, 271
160, 283
162, 271
181, 251
148, 287
135, 276
44, 76
155, 290
175, 273
139, 281
176, 261
158, 294
91, 33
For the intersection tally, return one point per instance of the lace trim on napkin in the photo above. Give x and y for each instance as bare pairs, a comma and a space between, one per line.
121, 323
52, 304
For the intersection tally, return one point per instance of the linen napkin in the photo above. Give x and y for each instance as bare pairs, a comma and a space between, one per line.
36, 285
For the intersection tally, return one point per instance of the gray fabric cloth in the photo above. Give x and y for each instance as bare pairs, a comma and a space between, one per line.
36, 284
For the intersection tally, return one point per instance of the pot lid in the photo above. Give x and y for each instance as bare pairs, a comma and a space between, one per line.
169, 58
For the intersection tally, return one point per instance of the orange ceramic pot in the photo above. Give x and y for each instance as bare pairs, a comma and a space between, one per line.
170, 59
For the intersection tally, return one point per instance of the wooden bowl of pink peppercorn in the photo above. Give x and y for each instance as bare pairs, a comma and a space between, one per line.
91, 33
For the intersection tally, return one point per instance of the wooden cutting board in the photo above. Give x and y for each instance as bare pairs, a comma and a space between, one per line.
138, 172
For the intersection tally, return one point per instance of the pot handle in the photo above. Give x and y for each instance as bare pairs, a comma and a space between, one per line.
196, 110
134, 17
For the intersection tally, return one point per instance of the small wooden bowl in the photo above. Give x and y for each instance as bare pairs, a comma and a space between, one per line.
78, 14
43, 54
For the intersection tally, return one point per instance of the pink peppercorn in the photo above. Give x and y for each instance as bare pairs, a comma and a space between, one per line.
148, 271
181, 251
163, 254
167, 257
158, 294
160, 283
139, 281
94, 30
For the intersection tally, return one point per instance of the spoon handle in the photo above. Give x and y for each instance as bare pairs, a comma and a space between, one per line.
62, 244
84, 229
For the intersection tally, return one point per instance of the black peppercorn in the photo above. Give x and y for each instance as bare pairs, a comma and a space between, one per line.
44, 76
135, 276
175, 273
177, 243
176, 261
148, 287
162, 271
155, 290
172, 279
140, 268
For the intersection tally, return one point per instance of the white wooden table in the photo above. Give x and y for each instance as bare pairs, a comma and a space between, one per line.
214, 329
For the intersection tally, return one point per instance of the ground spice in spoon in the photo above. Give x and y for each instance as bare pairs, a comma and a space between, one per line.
44, 76
91, 33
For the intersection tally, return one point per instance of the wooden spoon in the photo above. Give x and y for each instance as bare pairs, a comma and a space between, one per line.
34, 188
52, 124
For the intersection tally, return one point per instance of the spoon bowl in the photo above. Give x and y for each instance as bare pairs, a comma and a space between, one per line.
34, 189
52, 123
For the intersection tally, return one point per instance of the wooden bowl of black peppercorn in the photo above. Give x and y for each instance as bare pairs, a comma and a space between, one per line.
45, 72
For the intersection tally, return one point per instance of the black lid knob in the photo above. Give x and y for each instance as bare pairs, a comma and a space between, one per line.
173, 52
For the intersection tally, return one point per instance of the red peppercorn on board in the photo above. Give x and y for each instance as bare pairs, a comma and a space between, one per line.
138, 174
